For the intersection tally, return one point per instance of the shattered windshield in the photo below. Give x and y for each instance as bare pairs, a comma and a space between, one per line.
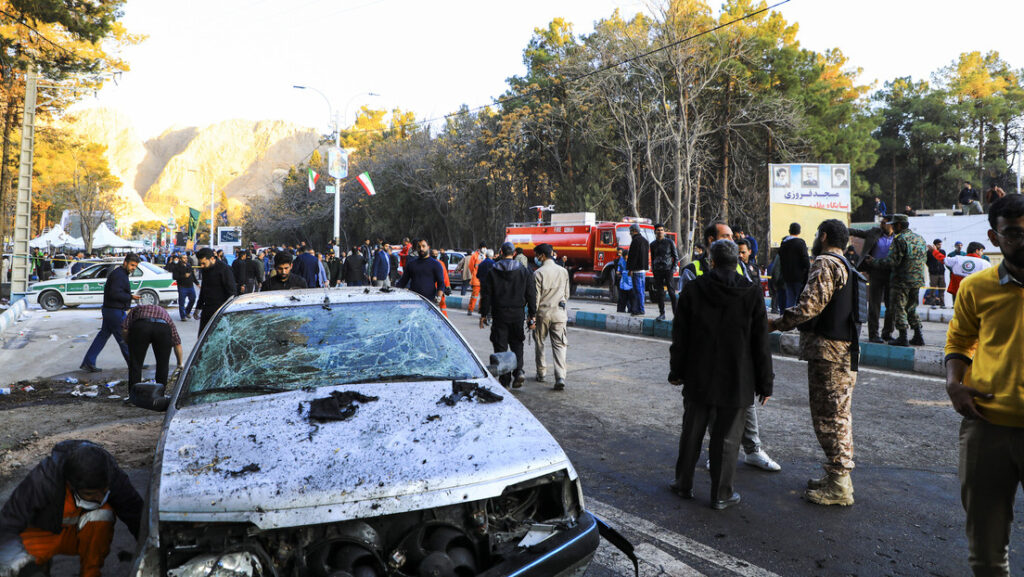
279, 349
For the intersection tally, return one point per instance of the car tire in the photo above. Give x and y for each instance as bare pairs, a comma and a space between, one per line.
51, 301
149, 298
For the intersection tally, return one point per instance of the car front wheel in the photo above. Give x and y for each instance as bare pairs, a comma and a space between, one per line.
149, 298
51, 301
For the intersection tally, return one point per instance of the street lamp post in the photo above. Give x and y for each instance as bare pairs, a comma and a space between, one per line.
336, 133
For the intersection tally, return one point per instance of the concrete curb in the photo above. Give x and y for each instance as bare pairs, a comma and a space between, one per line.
926, 361
11, 315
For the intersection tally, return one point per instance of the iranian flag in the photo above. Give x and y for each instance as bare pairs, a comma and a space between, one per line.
313, 179
364, 179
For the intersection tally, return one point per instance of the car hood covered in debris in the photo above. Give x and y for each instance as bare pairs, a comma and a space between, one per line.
262, 460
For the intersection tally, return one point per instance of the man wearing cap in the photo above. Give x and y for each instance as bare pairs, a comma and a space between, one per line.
552, 286
67, 505
637, 263
906, 263
218, 286
877, 241
958, 249
506, 292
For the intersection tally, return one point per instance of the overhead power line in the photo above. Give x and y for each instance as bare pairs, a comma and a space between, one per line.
17, 20
573, 79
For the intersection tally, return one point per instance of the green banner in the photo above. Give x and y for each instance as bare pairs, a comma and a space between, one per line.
193, 223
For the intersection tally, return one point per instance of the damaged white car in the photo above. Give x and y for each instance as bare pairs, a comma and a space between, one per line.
350, 433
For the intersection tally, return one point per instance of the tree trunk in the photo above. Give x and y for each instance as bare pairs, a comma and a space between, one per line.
725, 151
9, 121
895, 206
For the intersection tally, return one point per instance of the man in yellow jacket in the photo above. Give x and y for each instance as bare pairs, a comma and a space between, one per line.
985, 382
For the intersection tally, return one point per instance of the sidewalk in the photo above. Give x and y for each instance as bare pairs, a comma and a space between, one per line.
602, 315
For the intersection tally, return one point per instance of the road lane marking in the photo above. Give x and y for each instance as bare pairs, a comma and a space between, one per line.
653, 562
778, 357
674, 540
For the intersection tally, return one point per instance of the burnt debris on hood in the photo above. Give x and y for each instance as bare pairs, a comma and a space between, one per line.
340, 406
465, 391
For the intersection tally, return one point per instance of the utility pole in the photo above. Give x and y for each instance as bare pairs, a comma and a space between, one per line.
21, 265
213, 188
337, 187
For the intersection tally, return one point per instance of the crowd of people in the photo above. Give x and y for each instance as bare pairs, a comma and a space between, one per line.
719, 353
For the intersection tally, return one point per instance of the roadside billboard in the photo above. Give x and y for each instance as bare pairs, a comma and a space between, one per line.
808, 194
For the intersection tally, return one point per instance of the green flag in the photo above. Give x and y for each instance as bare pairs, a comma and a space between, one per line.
193, 223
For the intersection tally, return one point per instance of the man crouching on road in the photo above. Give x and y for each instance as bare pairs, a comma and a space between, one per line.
66, 506
720, 355
829, 334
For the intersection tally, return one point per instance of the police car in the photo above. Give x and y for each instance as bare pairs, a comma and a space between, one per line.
152, 283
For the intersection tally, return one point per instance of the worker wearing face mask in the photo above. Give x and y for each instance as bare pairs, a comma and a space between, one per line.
67, 505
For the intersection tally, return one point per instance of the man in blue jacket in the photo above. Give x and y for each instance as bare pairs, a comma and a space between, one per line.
381, 271
117, 298
307, 266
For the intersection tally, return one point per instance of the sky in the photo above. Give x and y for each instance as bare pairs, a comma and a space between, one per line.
207, 61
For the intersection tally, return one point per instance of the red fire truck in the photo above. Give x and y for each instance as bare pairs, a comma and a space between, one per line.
590, 245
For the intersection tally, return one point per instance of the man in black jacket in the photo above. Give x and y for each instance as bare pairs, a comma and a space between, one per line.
117, 298
185, 278
935, 296
354, 268
637, 263
284, 279
507, 291
663, 261
877, 241
218, 286
247, 273
720, 355
795, 263
67, 506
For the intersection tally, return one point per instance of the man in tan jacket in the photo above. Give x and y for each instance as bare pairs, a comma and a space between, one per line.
552, 282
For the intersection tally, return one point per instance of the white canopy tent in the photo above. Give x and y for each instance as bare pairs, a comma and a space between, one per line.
103, 237
56, 237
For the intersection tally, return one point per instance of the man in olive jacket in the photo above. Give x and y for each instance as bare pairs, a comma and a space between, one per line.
720, 355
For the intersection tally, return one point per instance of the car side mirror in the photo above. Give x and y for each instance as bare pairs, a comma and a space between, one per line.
502, 363
149, 396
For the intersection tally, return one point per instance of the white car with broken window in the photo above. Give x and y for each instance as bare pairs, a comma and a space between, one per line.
353, 433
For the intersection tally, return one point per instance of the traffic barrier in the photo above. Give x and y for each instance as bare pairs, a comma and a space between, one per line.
12, 314
913, 359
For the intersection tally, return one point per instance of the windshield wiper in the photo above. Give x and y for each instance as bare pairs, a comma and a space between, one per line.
240, 389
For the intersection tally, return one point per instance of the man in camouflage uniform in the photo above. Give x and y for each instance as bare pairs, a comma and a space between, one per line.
907, 261
831, 373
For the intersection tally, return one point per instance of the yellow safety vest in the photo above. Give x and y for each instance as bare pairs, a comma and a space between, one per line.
698, 271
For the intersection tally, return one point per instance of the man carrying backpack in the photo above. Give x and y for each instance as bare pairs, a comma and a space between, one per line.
828, 312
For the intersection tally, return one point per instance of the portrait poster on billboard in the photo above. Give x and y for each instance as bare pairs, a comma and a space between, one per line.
807, 194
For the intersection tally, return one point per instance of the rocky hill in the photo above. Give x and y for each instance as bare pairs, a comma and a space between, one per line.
240, 159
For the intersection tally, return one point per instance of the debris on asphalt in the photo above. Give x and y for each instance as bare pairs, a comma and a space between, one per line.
5, 390
71, 380
89, 391
340, 406
465, 391
28, 389
54, 338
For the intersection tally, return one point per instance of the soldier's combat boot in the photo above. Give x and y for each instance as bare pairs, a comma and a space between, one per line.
817, 483
875, 339
837, 490
900, 341
918, 340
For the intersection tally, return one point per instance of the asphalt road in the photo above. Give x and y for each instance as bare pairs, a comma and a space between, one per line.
619, 422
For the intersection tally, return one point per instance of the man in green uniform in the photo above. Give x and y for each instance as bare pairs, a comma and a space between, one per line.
906, 261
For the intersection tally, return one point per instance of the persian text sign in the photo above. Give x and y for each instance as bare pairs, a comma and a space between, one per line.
825, 186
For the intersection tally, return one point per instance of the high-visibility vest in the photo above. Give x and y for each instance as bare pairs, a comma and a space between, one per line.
698, 271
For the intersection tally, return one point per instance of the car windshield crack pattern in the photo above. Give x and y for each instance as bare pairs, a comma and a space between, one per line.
263, 351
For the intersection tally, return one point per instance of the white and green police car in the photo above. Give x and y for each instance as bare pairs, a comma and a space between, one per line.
152, 283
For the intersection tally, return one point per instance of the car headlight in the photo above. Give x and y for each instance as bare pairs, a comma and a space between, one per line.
235, 564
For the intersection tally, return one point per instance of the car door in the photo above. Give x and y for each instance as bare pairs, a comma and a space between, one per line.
84, 287
136, 278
